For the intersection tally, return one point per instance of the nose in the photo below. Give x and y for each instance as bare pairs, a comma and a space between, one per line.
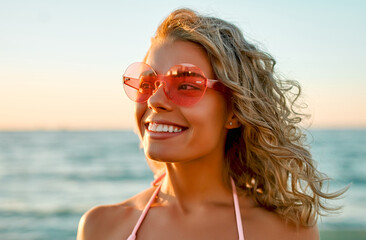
158, 101
159, 84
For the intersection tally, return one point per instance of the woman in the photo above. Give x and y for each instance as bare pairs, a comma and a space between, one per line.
222, 132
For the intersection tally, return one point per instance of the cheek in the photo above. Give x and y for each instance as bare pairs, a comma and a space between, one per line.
213, 110
208, 119
207, 126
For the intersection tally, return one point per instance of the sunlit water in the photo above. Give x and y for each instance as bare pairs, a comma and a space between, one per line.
49, 179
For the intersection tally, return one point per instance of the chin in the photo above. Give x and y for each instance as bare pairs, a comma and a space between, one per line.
163, 156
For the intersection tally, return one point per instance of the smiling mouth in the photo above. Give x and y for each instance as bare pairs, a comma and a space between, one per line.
163, 128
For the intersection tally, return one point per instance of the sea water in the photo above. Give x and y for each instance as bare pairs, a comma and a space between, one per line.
48, 179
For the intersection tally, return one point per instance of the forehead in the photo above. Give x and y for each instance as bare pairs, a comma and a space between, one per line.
163, 55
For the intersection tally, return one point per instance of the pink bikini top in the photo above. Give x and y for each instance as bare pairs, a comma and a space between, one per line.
147, 207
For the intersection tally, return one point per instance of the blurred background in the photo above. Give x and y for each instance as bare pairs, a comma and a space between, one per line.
66, 127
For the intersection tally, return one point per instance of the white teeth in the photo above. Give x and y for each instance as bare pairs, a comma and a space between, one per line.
159, 128
154, 127
165, 128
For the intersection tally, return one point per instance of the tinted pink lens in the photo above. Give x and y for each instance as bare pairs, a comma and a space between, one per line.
139, 81
185, 84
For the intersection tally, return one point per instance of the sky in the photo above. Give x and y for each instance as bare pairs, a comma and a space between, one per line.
61, 61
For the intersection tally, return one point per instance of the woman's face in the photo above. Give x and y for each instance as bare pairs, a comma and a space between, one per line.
198, 130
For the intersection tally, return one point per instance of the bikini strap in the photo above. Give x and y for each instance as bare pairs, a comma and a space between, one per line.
158, 179
239, 223
143, 214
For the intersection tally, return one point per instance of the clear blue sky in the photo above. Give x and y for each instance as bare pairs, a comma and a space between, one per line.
61, 61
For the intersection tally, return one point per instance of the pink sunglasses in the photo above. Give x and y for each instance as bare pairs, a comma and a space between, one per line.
184, 84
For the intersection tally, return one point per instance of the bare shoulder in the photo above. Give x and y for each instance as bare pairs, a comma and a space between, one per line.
285, 230
260, 223
113, 221
101, 222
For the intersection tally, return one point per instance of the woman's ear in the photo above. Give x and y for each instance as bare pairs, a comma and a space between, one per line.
232, 121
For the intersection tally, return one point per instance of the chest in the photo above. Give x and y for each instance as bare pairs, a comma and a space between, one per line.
204, 225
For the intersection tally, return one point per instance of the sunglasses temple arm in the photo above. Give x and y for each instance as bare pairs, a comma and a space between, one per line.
218, 86
211, 83
129, 85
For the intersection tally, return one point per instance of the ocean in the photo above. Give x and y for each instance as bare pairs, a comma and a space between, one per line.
48, 179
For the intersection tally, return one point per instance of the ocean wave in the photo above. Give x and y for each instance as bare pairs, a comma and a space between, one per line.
17, 211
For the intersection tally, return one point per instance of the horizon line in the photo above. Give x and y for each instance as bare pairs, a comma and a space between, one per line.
132, 129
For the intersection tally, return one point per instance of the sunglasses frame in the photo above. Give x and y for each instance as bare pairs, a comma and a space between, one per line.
210, 83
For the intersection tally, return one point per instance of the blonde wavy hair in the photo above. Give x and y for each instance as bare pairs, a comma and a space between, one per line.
266, 156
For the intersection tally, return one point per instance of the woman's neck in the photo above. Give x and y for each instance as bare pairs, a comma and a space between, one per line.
194, 183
